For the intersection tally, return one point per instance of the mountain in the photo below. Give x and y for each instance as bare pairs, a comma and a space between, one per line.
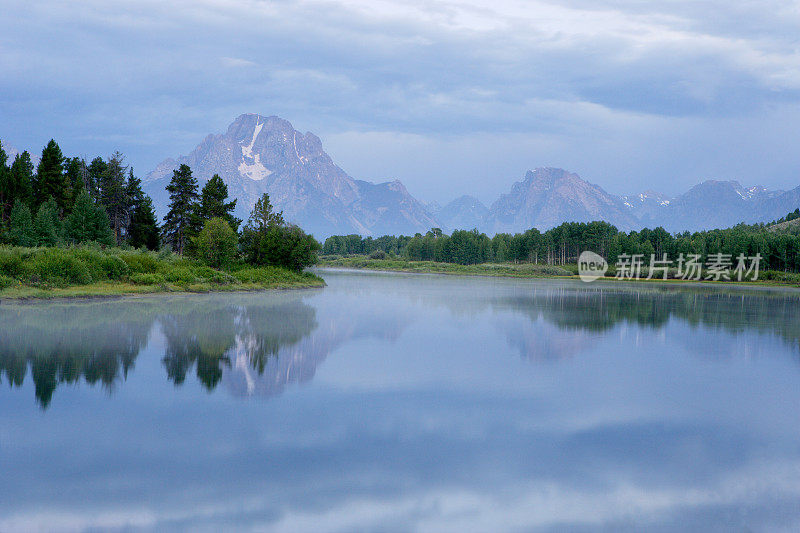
465, 212
646, 206
266, 154
712, 204
549, 196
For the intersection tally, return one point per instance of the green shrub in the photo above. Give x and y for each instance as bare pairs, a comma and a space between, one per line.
11, 261
140, 262
6, 281
114, 267
57, 266
377, 254
179, 274
217, 243
147, 279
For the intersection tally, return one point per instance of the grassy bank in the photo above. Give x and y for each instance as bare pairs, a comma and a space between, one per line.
91, 271
520, 270
517, 270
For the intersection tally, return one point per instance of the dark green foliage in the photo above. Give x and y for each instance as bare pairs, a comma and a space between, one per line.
114, 197
21, 232
263, 217
183, 196
21, 179
286, 246
88, 222
144, 231
213, 203
267, 240
47, 225
51, 180
96, 170
562, 245
77, 177
143, 228
217, 243
6, 198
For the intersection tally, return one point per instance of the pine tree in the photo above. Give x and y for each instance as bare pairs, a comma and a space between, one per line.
51, 181
21, 179
143, 226
47, 225
183, 196
6, 200
96, 169
88, 222
262, 220
113, 195
20, 230
77, 176
144, 229
213, 203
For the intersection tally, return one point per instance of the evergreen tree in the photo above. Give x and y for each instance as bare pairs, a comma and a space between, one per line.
51, 181
47, 225
183, 197
88, 222
144, 229
6, 200
114, 197
21, 179
96, 169
77, 176
213, 203
21, 231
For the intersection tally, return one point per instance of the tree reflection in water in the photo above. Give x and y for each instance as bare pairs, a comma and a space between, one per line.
98, 342
259, 343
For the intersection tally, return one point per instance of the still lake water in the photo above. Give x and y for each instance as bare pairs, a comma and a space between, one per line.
405, 402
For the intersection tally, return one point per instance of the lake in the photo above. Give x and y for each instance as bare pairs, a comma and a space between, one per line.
394, 402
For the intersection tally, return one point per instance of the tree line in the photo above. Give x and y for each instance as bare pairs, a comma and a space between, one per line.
66, 201
563, 244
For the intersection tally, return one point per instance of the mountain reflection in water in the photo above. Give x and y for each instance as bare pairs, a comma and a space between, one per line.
257, 345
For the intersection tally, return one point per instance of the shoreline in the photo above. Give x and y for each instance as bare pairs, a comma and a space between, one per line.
530, 272
120, 290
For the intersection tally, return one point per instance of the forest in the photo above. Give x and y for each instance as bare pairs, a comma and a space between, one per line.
50, 213
780, 250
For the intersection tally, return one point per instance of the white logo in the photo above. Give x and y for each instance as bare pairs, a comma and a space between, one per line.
591, 266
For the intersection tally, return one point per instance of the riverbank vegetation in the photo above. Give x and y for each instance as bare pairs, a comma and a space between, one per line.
75, 229
92, 271
522, 254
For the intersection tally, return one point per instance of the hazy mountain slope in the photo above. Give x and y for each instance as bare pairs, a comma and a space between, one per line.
266, 154
465, 212
549, 196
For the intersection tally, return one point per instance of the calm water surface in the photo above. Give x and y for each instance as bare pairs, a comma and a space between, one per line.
405, 402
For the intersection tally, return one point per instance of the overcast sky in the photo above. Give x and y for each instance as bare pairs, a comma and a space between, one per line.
451, 97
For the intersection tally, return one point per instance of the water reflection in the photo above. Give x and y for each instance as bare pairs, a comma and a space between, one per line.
64, 344
429, 404
257, 346
99, 342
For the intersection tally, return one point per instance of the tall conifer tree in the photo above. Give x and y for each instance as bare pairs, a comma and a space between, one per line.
21, 179
51, 181
183, 197
143, 227
113, 195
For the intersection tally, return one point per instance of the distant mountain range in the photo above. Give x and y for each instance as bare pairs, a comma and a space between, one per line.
266, 154
548, 196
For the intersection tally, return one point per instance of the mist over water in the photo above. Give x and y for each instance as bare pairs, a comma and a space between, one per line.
405, 402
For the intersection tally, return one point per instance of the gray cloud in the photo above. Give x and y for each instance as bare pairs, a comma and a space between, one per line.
454, 95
